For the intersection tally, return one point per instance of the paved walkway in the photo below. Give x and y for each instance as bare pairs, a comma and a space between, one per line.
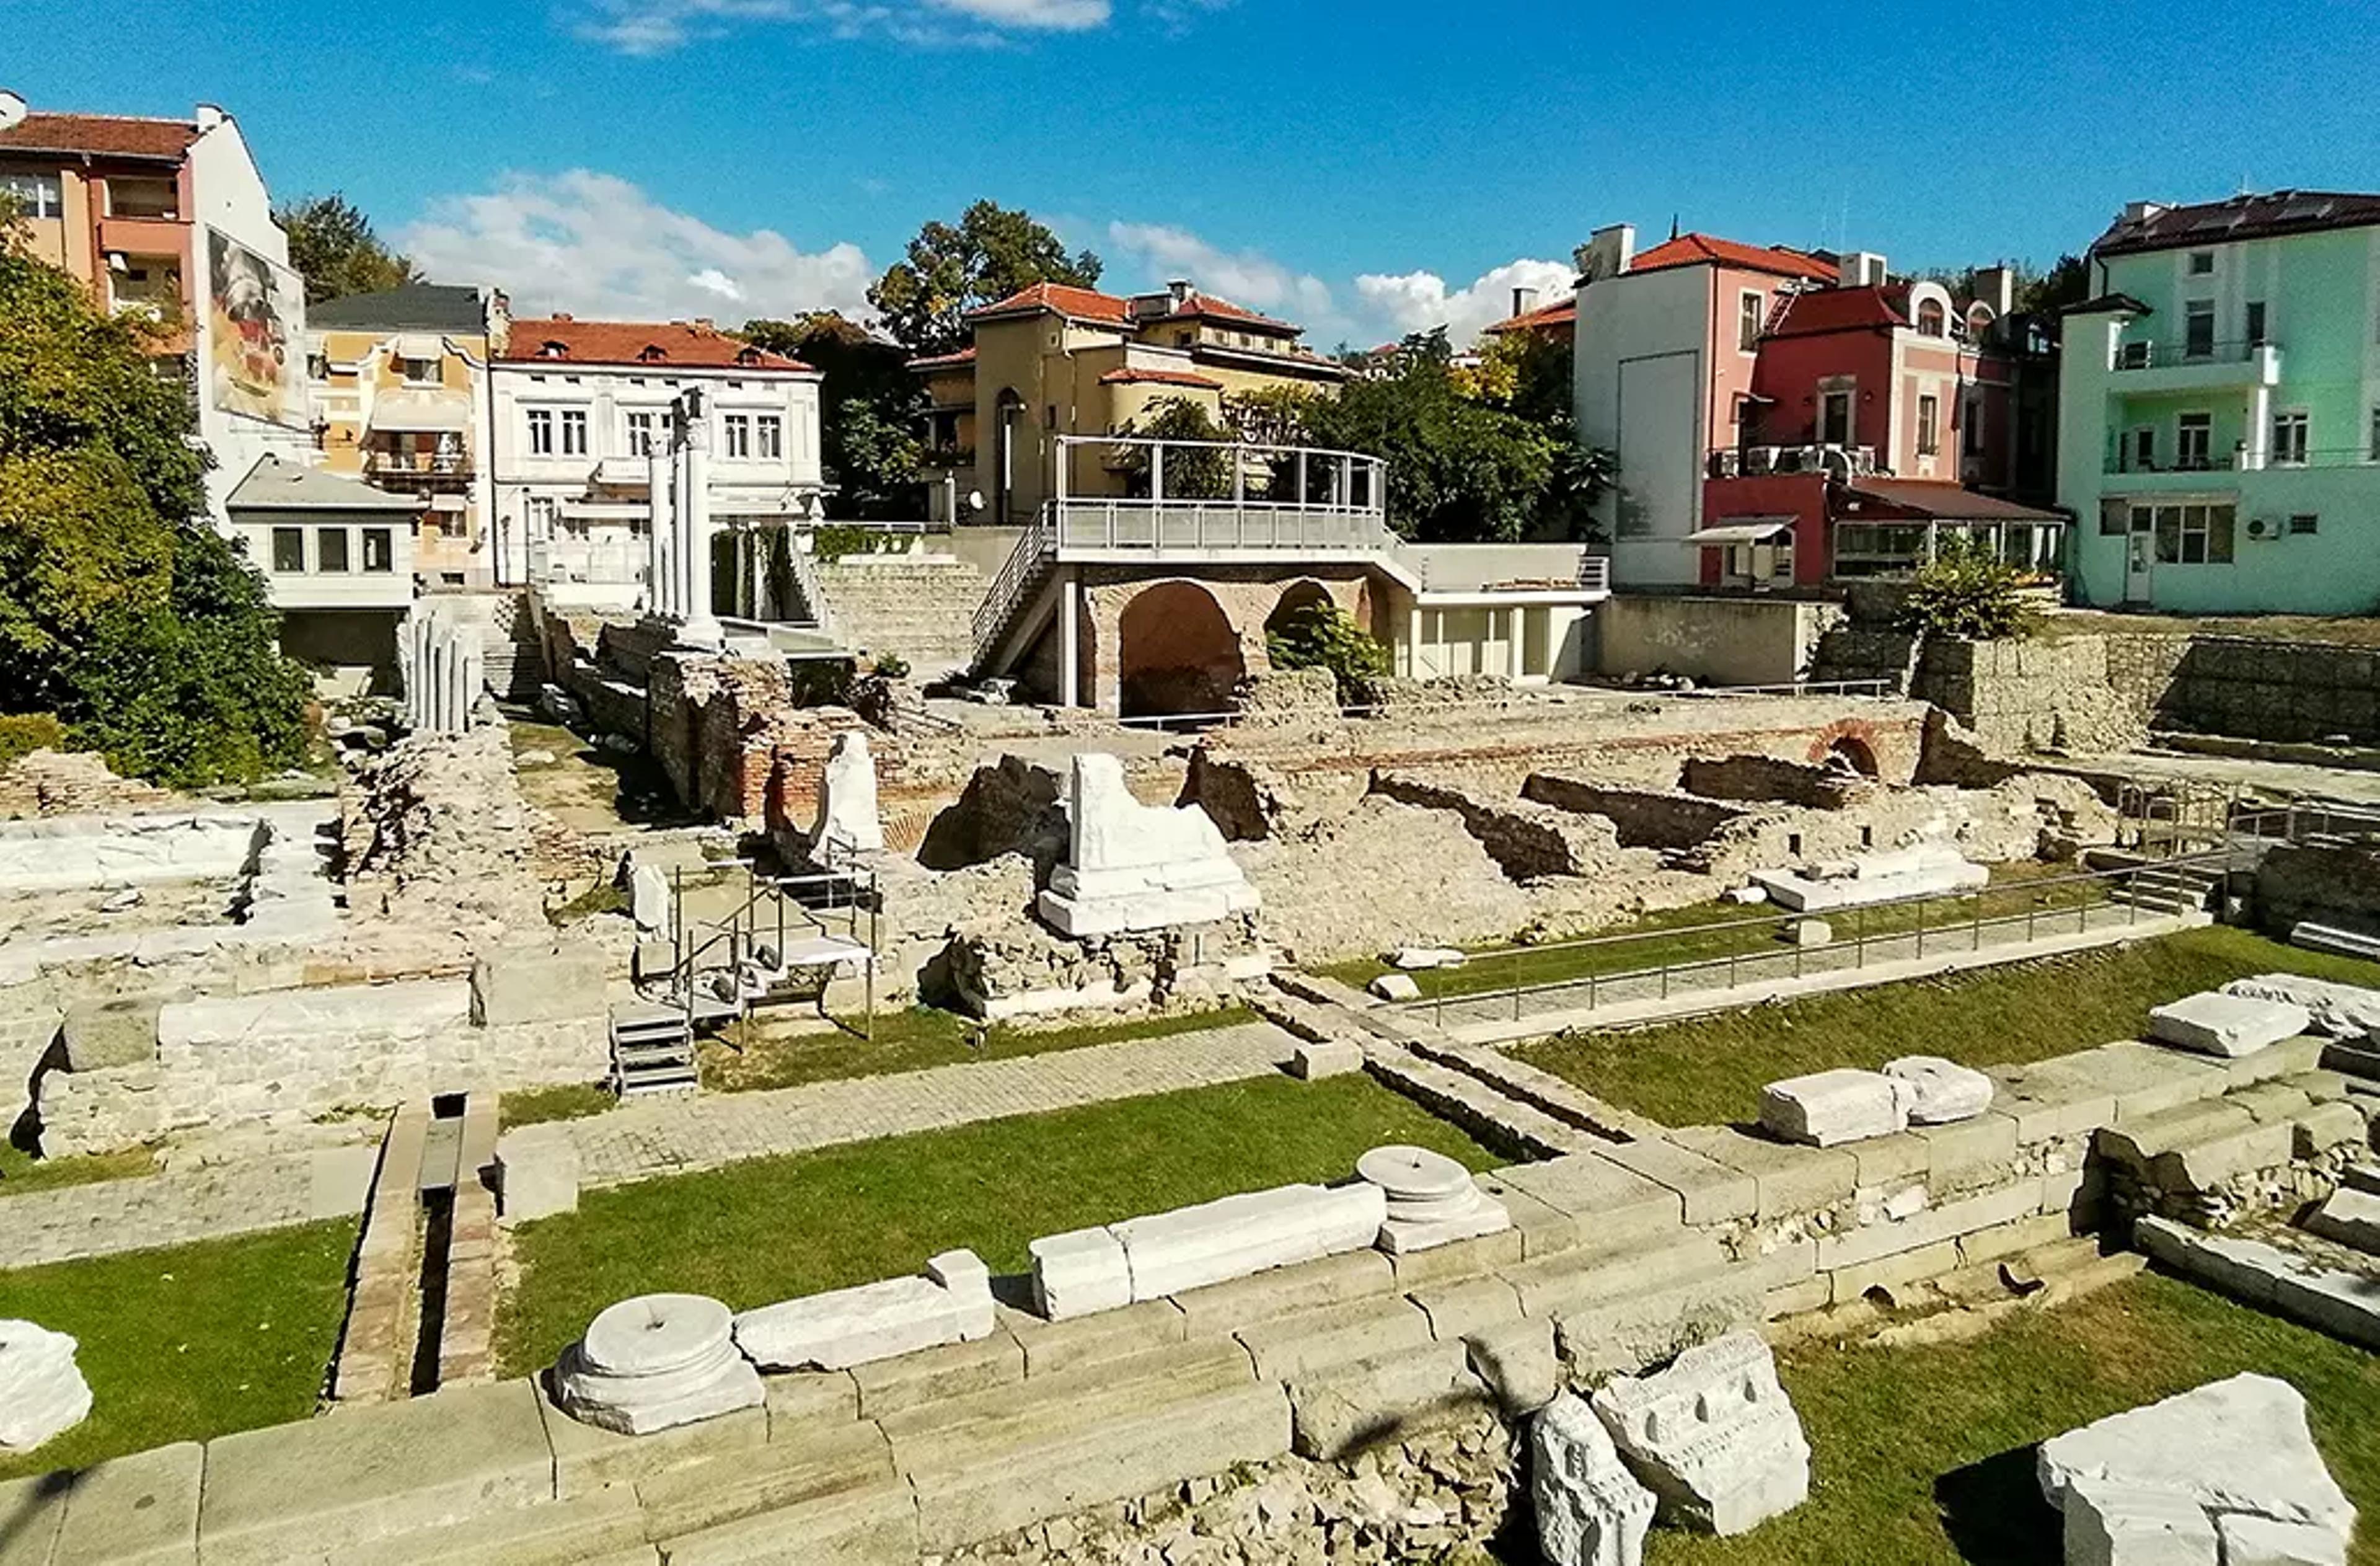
653, 1137
146, 1211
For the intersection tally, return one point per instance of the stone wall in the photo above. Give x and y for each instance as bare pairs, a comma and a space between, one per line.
1768, 779
922, 610
1645, 818
1852, 652
2041, 694
289, 1057
52, 783
2330, 884
1527, 838
1722, 641
2261, 689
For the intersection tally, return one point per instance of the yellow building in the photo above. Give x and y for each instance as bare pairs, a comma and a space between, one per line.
1054, 361
400, 392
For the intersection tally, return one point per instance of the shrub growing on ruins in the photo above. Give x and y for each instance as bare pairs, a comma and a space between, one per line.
1968, 591
1322, 635
122, 610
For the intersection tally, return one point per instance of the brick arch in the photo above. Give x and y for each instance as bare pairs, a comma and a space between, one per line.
1177, 652
1856, 740
1298, 595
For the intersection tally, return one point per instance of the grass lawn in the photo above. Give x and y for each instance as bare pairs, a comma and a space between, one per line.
568, 1100
1923, 1456
1701, 931
1711, 1069
771, 1229
190, 1342
21, 1172
916, 1037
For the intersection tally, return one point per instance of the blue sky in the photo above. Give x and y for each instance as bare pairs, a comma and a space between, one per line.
1364, 168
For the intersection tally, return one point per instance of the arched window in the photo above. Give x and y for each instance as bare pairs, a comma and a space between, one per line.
1929, 318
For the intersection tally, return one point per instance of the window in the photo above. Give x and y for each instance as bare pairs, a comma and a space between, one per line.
1971, 425
2144, 450
1929, 426
36, 195
2202, 263
1781, 565
1751, 315
540, 431
773, 436
2255, 322
2188, 535
419, 371
289, 549
330, 548
1835, 418
574, 431
2290, 436
2192, 437
738, 430
2375, 434
1929, 318
539, 510
379, 553
2303, 524
2198, 329
641, 434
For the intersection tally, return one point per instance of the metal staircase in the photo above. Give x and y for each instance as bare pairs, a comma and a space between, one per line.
1029, 565
782, 939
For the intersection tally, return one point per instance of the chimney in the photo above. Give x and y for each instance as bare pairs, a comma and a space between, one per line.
209, 116
1863, 269
1178, 289
12, 110
1524, 300
1607, 253
2142, 212
1995, 287
702, 323
563, 315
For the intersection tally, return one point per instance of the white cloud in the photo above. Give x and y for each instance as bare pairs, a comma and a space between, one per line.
1244, 277
1416, 301
657, 27
596, 246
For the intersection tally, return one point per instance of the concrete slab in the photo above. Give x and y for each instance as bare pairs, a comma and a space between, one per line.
1609, 1203
1221, 1308
1787, 1179
1291, 1346
289, 1491
138, 1511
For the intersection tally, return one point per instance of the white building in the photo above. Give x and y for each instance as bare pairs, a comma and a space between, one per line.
338, 557
578, 407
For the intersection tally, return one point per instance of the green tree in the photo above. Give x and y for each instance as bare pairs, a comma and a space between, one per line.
1191, 472
989, 254
1969, 593
869, 407
332, 246
2067, 282
1320, 635
122, 611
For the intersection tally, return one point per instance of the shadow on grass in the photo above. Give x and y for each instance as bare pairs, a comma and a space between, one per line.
1993, 1512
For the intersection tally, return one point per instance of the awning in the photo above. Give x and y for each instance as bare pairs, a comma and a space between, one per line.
1741, 530
1943, 502
449, 503
414, 412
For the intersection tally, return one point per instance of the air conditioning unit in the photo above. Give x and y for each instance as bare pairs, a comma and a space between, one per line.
2265, 527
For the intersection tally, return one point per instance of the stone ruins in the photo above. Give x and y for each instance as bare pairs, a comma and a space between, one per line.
1590, 1510
1133, 867
42, 1393
656, 1362
1713, 1436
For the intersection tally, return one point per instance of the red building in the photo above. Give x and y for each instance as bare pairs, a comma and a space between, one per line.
1877, 418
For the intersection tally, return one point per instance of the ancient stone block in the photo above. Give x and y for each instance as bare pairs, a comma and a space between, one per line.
1079, 1272
2107, 1523
2217, 1024
1431, 1199
118, 1032
2265, 1541
554, 982
538, 1171
1945, 1090
42, 1393
2340, 1010
1340, 1411
1590, 1510
1236, 1235
1336, 1057
1133, 867
1713, 1435
655, 1361
848, 1327
648, 899
2350, 1217
1517, 1362
848, 819
1395, 987
1828, 1107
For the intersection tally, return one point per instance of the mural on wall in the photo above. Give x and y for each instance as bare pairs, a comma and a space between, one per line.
255, 365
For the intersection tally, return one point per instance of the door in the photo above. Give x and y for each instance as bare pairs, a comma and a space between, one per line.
2140, 555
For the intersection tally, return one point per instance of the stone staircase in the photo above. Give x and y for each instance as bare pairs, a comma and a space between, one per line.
918, 608
2182, 887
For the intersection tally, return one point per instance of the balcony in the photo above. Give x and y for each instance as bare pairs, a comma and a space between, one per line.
2185, 474
1761, 462
2150, 368
419, 473
1219, 498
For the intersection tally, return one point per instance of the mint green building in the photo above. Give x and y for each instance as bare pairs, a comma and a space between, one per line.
2220, 408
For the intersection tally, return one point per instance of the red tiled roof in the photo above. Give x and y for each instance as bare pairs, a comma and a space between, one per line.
1134, 376
679, 343
101, 135
1699, 250
943, 361
1084, 304
1839, 310
1562, 312
2245, 217
1208, 307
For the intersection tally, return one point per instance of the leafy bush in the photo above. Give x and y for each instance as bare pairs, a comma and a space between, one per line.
122, 611
1322, 635
21, 734
1968, 592
892, 666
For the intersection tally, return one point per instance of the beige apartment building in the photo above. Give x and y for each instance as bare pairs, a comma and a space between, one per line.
1052, 362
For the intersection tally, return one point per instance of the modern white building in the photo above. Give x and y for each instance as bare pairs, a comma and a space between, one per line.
578, 409
338, 557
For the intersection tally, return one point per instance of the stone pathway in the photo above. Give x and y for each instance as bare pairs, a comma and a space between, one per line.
146, 1211
640, 1141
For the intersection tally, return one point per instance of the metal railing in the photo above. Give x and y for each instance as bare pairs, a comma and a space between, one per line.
1018, 574
1177, 525
813, 901
1606, 970
1815, 457
2166, 354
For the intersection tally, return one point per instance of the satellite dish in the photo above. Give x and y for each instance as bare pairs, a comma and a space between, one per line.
975, 499
12, 110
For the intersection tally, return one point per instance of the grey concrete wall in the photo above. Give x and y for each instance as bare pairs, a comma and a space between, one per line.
1729, 641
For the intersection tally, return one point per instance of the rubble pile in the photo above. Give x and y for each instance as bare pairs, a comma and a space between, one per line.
438, 836
73, 783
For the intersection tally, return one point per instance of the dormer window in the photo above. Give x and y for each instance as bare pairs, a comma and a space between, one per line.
651, 353
748, 356
1929, 318
553, 350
